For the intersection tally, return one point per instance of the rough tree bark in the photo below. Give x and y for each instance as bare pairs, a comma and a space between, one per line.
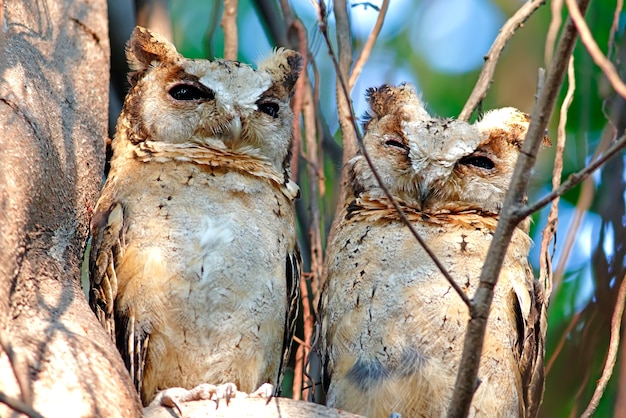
54, 63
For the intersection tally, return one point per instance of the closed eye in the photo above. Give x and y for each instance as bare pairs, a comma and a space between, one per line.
479, 161
269, 108
395, 143
188, 92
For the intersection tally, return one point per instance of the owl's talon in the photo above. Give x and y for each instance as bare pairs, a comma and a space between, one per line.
265, 391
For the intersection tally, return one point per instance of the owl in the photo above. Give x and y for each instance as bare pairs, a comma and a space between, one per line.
194, 266
392, 327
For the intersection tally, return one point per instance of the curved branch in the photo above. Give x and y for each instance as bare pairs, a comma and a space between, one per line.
592, 47
611, 357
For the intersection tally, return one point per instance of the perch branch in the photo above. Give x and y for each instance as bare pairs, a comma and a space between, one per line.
509, 218
491, 59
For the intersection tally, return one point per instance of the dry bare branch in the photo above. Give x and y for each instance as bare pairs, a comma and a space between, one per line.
575, 178
491, 59
616, 322
510, 216
545, 274
369, 45
229, 25
592, 47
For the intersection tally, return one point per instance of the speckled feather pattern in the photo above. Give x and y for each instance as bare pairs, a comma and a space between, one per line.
392, 327
194, 263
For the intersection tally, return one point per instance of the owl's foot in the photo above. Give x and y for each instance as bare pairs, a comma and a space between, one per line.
173, 397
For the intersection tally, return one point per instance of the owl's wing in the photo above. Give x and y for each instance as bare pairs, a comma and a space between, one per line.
107, 250
533, 351
531, 334
106, 247
292, 271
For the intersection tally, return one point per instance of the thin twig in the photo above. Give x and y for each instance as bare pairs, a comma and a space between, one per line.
388, 194
303, 349
614, 27
611, 356
229, 25
545, 274
369, 45
556, 7
575, 178
510, 216
592, 47
491, 59
561, 344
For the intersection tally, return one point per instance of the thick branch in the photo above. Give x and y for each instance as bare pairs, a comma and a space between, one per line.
250, 408
509, 218
344, 48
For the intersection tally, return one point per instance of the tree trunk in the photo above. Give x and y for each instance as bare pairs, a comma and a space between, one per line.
54, 63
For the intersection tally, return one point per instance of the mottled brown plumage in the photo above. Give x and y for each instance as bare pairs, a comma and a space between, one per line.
392, 327
194, 263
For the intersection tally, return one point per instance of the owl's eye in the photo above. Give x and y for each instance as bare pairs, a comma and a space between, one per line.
270, 109
479, 161
187, 92
395, 143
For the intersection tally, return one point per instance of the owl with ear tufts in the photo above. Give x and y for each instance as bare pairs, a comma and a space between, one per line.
194, 265
392, 327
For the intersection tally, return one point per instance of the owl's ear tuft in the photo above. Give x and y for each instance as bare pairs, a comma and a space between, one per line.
284, 66
144, 49
402, 99
509, 122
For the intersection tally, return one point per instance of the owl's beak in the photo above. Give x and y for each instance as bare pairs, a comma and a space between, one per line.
424, 194
235, 127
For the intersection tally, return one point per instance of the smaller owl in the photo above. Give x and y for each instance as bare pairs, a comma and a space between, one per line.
194, 264
392, 326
